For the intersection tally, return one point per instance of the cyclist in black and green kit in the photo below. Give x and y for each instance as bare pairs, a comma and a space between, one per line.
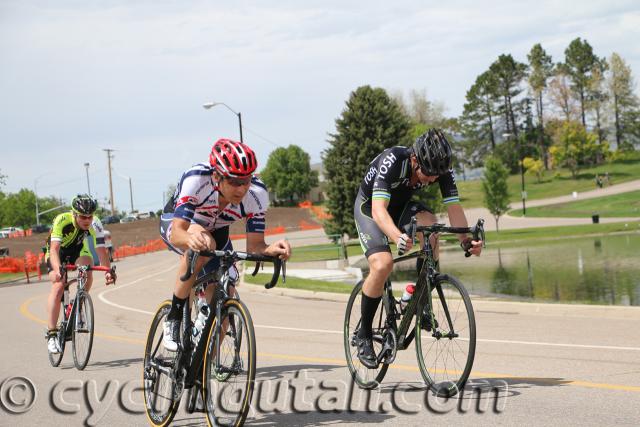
67, 244
383, 207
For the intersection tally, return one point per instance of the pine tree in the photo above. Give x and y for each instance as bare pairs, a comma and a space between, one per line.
371, 122
508, 74
540, 70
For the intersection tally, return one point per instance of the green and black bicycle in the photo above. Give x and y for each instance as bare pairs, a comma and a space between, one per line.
444, 327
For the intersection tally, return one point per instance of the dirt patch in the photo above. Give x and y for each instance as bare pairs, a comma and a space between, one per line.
139, 232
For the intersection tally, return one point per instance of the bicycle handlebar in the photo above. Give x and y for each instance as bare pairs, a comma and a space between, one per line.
477, 231
278, 264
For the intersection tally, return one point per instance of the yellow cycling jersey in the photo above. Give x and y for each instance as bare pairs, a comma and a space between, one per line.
65, 231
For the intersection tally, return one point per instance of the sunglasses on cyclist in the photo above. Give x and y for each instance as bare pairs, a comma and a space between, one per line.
238, 182
85, 217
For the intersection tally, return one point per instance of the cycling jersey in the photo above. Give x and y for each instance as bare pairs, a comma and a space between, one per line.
71, 238
388, 178
196, 200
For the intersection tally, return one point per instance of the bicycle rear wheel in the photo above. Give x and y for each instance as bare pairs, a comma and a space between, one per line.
159, 364
446, 348
82, 333
55, 359
365, 378
228, 389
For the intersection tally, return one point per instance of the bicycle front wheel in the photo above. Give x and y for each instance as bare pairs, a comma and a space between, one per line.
82, 333
446, 337
159, 401
228, 385
365, 378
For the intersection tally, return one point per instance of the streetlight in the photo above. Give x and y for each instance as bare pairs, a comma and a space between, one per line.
524, 193
210, 105
86, 165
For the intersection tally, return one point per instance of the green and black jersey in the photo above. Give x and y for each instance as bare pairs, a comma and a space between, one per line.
71, 238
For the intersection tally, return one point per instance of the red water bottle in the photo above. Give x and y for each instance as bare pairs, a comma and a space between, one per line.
67, 311
406, 296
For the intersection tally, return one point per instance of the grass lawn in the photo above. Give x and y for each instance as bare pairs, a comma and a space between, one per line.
618, 205
297, 283
471, 193
6, 277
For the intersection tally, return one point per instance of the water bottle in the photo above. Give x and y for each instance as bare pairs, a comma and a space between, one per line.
406, 296
66, 303
203, 314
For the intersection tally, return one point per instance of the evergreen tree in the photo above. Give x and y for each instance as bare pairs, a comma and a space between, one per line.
579, 64
478, 118
494, 185
540, 71
288, 173
597, 97
371, 122
508, 74
625, 104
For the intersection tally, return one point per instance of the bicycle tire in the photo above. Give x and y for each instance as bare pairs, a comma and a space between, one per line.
84, 304
450, 378
360, 373
215, 385
55, 359
157, 418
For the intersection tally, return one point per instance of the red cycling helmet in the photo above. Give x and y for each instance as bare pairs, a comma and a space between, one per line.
232, 158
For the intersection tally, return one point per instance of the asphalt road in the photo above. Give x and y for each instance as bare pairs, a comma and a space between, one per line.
536, 364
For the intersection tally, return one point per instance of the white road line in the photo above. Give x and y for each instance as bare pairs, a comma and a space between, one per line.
326, 331
102, 294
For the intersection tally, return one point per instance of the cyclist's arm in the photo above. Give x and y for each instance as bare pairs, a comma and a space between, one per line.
183, 239
103, 256
383, 219
256, 244
54, 255
457, 218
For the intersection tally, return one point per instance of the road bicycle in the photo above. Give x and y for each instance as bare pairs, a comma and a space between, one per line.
77, 316
216, 359
444, 327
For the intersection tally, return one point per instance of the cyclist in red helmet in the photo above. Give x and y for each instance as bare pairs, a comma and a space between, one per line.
208, 199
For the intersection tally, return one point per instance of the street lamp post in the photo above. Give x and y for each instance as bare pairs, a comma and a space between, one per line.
128, 178
210, 105
86, 165
524, 193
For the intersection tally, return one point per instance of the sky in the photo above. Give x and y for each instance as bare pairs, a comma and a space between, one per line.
81, 76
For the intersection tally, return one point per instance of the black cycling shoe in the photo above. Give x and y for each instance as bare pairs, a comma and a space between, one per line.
366, 353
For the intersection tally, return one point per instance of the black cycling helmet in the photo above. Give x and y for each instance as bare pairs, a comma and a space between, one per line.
433, 152
83, 204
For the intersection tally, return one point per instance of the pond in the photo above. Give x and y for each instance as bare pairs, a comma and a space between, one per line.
592, 270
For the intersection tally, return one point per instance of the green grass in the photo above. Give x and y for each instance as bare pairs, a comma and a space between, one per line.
471, 193
298, 283
322, 252
542, 233
6, 277
618, 205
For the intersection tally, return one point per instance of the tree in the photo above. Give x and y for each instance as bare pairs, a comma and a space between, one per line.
508, 75
579, 64
3, 179
533, 167
371, 122
288, 173
624, 102
575, 147
561, 95
540, 71
478, 117
597, 97
494, 185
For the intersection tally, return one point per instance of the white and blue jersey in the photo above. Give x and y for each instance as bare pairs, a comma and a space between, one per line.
196, 200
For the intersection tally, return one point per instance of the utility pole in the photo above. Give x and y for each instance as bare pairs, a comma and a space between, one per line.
109, 157
131, 195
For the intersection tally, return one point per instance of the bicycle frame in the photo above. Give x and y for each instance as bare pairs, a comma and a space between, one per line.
424, 285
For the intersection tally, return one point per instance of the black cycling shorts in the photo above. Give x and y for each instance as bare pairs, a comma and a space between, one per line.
372, 239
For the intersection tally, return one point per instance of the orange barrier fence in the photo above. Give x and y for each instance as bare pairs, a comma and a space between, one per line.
318, 211
25, 265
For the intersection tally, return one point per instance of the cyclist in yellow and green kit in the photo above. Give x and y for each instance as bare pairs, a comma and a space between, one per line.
67, 245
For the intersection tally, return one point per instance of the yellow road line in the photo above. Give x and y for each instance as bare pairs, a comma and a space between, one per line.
24, 310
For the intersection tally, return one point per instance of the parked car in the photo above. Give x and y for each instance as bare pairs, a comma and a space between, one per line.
113, 219
129, 218
7, 231
143, 215
40, 228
